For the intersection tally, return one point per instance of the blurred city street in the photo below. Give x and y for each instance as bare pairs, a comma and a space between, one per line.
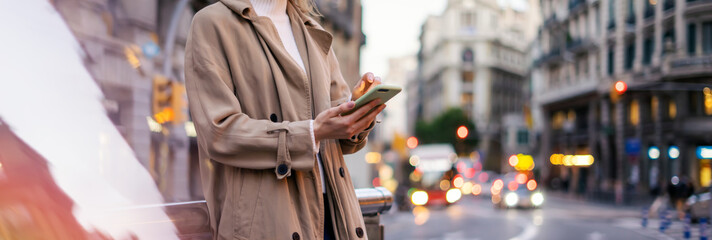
475, 218
509, 119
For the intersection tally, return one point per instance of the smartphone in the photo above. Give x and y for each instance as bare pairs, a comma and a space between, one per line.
383, 91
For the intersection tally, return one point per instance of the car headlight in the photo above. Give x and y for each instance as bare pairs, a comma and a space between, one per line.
511, 199
419, 198
453, 195
537, 199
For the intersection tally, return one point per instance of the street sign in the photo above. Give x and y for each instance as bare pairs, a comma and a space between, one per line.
632, 146
704, 152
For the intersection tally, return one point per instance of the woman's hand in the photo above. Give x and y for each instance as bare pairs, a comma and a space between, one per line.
331, 125
368, 81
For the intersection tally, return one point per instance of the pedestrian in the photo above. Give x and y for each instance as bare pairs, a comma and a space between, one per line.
266, 95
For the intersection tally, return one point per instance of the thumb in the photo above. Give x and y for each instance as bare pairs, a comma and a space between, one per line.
342, 108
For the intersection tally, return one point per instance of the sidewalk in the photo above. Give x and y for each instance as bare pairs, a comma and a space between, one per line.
675, 230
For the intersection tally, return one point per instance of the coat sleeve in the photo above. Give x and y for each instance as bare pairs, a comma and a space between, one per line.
341, 93
228, 135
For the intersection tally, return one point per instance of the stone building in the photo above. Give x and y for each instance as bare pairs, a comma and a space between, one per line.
474, 56
659, 53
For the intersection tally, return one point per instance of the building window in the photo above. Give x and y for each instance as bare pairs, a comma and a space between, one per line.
629, 56
649, 9
522, 137
691, 38
654, 105
493, 21
610, 61
707, 101
631, 13
634, 113
557, 120
467, 98
648, 47
707, 37
672, 109
668, 42
611, 14
611, 10
467, 20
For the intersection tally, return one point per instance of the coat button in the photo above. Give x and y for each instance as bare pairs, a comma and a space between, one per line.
295, 236
282, 169
359, 232
341, 172
273, 117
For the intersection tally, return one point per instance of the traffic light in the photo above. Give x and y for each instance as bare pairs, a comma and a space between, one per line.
161, 99
618, 89
179, 102
412, 142
462, 132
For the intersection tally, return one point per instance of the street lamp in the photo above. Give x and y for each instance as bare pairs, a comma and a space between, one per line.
654, 153
673, 152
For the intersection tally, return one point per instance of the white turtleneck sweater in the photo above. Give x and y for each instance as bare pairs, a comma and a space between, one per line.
276, 10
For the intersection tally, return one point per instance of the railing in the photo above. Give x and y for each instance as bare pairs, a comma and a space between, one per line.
374, 201
192, 220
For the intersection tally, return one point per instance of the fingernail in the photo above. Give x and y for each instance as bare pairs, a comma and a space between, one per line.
350, 104
370, 77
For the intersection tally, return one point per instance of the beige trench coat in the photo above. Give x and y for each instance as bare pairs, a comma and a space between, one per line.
251, 105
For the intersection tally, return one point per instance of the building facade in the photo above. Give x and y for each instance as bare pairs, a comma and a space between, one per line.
134, 47
628, 83
474, 56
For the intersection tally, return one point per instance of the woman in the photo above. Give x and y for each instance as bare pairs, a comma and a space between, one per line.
266, 95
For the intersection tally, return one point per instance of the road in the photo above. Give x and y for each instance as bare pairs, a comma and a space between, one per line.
474, 218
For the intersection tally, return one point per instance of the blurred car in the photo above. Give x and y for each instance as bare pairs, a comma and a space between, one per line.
522, 198
434, 180
516, 195
698, 205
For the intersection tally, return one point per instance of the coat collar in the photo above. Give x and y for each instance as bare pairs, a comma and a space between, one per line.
243, 8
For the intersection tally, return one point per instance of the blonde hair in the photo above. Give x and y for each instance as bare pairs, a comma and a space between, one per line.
307, 7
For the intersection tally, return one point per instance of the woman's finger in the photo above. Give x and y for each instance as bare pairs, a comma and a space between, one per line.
358, 114
376, 82
364, 122
336, 111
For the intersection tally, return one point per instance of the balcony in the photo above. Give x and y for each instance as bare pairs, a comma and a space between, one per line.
696, 7
630, 20
685, 66
580, 45
553, 57
551, 21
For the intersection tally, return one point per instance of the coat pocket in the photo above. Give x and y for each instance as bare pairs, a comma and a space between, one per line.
247, 197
